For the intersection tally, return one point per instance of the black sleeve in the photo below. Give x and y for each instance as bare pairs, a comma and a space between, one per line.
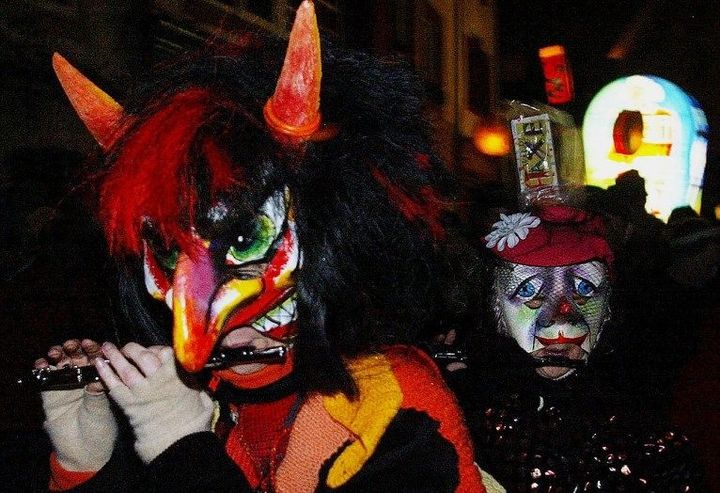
197, 462
412, 456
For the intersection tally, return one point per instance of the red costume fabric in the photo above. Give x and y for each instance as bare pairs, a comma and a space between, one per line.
342, 445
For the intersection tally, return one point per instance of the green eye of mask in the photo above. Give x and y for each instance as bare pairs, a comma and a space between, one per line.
256, 246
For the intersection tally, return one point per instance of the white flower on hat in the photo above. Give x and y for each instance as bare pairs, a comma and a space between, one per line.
510, 230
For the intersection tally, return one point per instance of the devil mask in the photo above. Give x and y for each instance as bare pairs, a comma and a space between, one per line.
551, 285
230, 199
217, 237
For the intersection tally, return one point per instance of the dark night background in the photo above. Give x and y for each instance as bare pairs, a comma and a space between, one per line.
55, 281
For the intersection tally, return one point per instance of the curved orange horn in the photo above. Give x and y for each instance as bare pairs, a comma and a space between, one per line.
100, 113
294, 109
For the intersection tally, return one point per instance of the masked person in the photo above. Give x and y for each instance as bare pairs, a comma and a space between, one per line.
543, 392
262, 224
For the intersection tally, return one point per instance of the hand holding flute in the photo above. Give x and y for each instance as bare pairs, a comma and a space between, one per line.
144, 383
160, 407
79, 422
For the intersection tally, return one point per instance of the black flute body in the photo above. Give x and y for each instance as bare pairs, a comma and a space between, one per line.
73, 377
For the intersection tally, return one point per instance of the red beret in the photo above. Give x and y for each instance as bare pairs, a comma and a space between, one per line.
551, 236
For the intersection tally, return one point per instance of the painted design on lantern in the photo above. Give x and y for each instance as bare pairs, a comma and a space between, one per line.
510, 230
552, 311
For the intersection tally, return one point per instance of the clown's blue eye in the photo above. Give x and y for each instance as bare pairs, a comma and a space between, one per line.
583, 287
526, 290
529, 288
255, 246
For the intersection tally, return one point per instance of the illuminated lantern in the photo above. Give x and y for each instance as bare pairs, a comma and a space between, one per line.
558, 76
492, 138
650, 125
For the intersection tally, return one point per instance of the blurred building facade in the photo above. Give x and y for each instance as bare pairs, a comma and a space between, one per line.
451, 43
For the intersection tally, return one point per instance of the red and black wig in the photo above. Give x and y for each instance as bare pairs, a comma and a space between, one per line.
368, 200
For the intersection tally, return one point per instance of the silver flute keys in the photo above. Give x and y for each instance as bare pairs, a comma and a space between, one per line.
73, 377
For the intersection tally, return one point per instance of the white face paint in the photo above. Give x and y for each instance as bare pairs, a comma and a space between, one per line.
552, 311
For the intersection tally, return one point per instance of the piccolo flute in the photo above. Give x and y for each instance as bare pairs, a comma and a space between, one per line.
559, 361
73, 377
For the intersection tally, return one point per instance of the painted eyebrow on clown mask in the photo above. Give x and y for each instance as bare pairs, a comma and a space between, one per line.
516, 275
594, 272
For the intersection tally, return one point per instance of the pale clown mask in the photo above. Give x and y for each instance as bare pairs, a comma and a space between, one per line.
552, 284
232, 293
552, 311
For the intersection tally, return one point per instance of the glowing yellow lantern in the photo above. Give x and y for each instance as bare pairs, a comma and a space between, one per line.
650, 125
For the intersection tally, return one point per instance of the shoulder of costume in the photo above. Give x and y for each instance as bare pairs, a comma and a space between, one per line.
409, 359
406, 372
383, 380
399, 377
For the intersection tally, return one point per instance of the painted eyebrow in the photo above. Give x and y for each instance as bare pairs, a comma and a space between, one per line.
595, 286
595, 273
524, 282
519, 273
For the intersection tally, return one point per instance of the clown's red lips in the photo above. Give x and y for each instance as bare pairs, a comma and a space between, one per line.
561, 339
